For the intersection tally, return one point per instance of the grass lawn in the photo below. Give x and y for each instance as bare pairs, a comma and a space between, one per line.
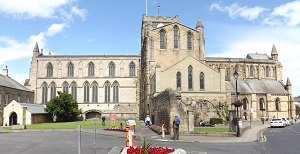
211, 129
72, 125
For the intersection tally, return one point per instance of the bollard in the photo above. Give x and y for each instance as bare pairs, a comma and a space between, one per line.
132, 135
127, 136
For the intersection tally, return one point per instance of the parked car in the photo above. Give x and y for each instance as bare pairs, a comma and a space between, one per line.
277, 122
291, 121
287, 122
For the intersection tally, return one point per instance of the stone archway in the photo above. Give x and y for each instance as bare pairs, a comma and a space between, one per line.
92, 114
13, 119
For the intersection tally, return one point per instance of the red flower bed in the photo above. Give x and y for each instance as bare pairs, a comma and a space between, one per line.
150, 150
115, 129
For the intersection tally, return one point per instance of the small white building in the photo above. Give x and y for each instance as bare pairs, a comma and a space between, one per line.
16, 113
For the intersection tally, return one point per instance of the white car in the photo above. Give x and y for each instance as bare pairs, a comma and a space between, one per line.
287, 122
277, 122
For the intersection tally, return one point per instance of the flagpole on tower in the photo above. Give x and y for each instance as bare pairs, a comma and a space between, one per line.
146, 7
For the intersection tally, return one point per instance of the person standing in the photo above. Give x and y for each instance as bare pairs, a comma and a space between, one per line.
103, 121
163, 130
176, 124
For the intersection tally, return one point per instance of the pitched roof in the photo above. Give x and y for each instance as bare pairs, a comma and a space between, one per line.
7, 81
34, 108
255, 86
258, 56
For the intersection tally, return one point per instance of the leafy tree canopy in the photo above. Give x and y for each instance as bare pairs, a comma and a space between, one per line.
297, 110
64, 107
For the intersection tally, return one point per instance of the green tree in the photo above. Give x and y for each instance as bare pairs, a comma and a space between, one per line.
297, 110
225, 112
64, 107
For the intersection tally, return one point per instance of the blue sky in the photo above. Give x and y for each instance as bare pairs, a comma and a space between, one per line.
232, 29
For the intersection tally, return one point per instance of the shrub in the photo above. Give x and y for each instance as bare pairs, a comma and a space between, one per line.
214, 121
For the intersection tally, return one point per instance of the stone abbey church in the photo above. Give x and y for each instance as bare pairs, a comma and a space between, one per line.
172, 61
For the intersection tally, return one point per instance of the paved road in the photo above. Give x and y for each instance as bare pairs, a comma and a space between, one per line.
58, 142
282, 140
65, 142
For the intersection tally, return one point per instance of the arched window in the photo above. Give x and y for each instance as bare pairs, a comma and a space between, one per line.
74, 90
162, 39
178, 80
175, 37
251, 74
267, 71
115, 92
190, 77
131, 69
277, 105
91, 69
245, 103
95, 92
111, 69
189, 41
86, 92
65, 87
49, 70
107, 92
52, 90
70, 70
261, 104
44, 92
201, 80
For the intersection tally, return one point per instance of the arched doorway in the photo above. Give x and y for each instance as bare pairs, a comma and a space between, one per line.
93, 115
13, 119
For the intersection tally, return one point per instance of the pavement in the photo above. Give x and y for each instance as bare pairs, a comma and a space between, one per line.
252, 134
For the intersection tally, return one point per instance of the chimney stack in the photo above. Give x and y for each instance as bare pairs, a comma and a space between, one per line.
5, 71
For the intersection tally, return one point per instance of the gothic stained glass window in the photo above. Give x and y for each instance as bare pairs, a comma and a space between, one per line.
91, 69
189, 41
201, 80
175, 37
65, 87
49, 70
107, 92
70, 70
190, 77
94, 93
86, 92
112, 69
178, 80
115, 92
52, 90
44, 93
74, 91
131, 69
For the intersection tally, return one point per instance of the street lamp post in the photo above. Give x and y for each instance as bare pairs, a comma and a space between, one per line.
236, 75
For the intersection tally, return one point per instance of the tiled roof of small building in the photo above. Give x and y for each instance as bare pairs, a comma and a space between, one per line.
34, 108
258, 56
255, 86
7, 81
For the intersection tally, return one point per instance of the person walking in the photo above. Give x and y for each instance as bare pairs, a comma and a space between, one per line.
103, 121
176, 124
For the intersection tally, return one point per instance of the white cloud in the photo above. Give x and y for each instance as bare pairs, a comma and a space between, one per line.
80, 12
55, 28
235, 10
287, 14
48, 9
32, 8
12, 50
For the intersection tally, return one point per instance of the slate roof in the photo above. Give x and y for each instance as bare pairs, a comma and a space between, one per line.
34, 108
7, 81
258, 56
255, 86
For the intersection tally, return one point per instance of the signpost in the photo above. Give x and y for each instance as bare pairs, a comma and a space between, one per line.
113, 117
